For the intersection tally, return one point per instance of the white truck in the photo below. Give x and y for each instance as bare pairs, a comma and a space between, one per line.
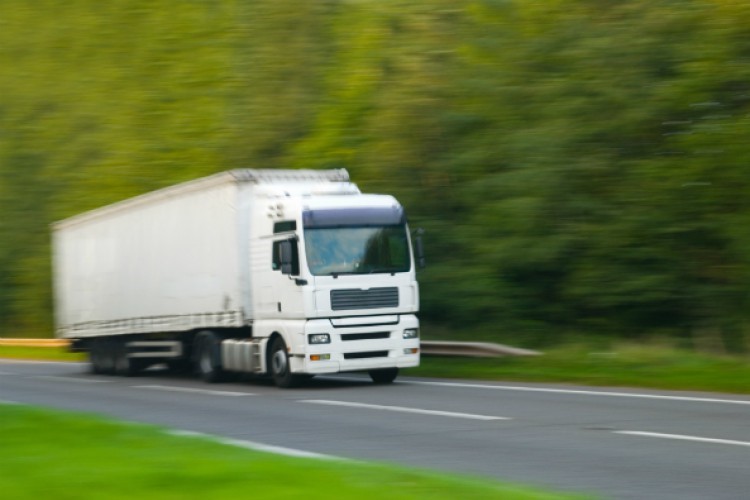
290, 273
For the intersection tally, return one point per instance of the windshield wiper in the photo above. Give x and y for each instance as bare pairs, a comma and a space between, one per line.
336, 274
376, 270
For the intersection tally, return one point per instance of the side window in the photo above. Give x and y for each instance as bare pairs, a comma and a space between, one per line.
276, 256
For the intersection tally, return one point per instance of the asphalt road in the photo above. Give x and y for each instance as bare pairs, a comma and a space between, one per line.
615, 443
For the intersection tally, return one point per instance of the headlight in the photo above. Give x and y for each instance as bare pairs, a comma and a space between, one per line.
319, 338
411, 333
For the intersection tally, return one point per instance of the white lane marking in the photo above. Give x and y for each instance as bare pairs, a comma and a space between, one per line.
6, 373
252, 445
684, 438
403, 409
584, 392
8, 403
70, 379
192, 390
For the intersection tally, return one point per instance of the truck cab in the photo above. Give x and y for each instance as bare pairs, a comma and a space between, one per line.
336, 288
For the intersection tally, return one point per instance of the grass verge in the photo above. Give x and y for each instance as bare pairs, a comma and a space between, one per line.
40, 353
58, 455
653, 366
647, 366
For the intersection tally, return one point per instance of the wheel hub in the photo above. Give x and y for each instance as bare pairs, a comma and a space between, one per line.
279, 362
206, 364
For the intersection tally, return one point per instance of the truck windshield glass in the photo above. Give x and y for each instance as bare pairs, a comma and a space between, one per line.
357, 250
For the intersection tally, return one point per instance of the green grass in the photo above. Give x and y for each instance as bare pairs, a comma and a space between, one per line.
649, 366
58, 455
40, 353
655, 365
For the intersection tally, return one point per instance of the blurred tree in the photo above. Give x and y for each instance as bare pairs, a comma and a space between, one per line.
579, 165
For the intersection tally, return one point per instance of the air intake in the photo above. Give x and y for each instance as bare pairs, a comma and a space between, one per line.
374, 298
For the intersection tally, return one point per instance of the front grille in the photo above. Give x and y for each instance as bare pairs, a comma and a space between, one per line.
354, 298
367, 354
365, 336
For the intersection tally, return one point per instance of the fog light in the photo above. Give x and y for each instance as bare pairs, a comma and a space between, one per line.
319, 338
411, 350
319, 357
411, 333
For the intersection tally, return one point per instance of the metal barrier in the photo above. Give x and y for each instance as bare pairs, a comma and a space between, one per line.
472, 349
429, 347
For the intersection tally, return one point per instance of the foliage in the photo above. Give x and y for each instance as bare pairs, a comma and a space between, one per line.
644, 365
40, 353
579, 165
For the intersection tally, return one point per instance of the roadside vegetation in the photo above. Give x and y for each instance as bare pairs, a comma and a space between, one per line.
624, 365
578, 165
39, 354
651, 365
59, 455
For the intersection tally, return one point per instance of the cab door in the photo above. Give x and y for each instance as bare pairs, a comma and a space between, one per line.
286, 284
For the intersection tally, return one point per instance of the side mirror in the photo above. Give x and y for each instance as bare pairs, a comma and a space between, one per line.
286, 257
419, 249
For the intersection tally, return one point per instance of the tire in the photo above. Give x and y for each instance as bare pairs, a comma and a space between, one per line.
278, 363
109, 356
384, 376
125, 366
95, 358
208, 357
102, 356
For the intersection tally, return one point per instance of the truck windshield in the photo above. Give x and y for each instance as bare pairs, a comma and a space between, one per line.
357, 250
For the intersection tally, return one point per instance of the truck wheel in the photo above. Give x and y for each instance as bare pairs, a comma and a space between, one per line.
385, 376
95, 358
125, 366
110, 356
279, 363
101, 354
207, 357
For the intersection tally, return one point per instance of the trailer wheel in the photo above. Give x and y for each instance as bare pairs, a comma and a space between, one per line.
108, 356
95, 358
101, 355
279, 363
207, 357
125, 366
385, 376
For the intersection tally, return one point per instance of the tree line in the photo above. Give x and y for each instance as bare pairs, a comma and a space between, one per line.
579, 166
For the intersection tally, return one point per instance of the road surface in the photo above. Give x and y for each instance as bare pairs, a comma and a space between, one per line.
615, 443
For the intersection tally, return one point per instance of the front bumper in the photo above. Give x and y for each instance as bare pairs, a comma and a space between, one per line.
357, 348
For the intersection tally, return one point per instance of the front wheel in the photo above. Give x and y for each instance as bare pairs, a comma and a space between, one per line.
279, 363
384, 376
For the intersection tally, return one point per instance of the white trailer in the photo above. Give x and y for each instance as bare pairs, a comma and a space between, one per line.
290, 273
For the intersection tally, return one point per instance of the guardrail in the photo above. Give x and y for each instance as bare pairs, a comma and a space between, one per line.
429, 347
472, 349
